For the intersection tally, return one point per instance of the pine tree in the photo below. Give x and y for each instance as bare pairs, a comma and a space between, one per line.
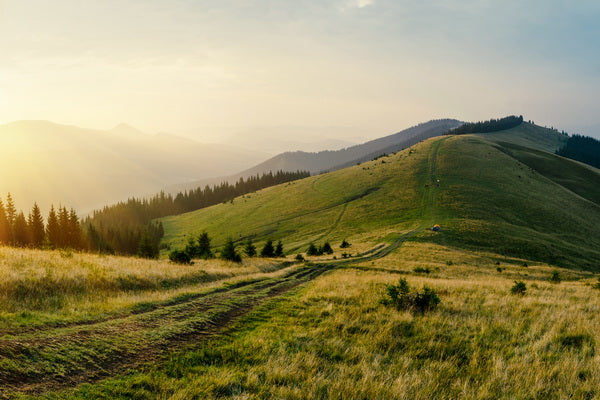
36, 226
63, 227
250, 248
312, 250
268, 250
229, 253
326, 248
204, 250
53, 229
5, 231
147, 247
21, 231
11, 211
279, 249
75, 236
191, 248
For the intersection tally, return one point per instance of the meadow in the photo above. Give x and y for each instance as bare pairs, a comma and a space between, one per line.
333, 339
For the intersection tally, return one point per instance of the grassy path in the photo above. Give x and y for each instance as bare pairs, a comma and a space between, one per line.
37, 362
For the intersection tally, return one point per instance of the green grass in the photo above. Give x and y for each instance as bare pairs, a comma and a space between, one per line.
333, 339
492, 195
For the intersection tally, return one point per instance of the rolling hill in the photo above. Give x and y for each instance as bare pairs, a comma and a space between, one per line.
486, 192
332, 160
85, 168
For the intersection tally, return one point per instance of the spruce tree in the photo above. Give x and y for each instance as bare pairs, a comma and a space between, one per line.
75, 236
250, 248
53, 229
5, 236
268, 250
11, 211
191, 248
229, 253
279, 249
148, 248
21, 231
312, 250
204, 250
36, 226
326, 248
64, 228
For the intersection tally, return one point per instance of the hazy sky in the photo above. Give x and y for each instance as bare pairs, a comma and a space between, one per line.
209, 69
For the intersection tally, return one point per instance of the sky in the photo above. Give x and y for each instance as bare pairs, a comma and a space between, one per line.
221, 70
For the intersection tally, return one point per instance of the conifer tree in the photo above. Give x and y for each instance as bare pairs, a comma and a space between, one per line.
11, 211
279, 249
204, 250
36, 226
53, 229
250, 248
21, 231
312, 250
5, 234
63, 227
147, 248
229, 253
326, 248
75, 236
268, 250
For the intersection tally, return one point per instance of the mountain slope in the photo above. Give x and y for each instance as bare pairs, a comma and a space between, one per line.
486, 199
85, 168
333, 160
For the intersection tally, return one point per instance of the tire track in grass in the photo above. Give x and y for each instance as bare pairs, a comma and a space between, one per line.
67, 357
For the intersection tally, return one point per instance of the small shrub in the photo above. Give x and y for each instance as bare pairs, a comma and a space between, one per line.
525, 265
299, 257
345, 244
180, 257
555, 277
313, 250
449, 263
326, 248
499, 269
574, 341
519, 288
402, 297
421, 270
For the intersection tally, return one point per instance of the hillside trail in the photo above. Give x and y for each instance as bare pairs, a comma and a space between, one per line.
63, 357
66, 357
427, 220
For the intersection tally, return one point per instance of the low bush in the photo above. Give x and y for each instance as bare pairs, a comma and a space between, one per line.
402, 297
519, 288
180, 257
421, 270
555, 277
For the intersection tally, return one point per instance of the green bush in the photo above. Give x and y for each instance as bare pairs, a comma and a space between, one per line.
421, 270
402, 297
299, 257
555, 277
180, 257
519, 288
345, 244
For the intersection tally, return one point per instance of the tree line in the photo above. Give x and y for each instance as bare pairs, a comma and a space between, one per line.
62, 228
492, 125
582, 148
127, 228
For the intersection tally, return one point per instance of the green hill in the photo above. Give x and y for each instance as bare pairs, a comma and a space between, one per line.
495, 193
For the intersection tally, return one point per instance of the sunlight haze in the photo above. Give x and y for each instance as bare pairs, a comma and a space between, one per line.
218, 71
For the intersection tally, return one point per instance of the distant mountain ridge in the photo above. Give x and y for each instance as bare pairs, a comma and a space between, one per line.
333, 160
89, 168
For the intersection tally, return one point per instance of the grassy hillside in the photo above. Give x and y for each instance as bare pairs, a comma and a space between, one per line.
491, 195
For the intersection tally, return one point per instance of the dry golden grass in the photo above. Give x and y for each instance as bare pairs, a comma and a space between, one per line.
38, 285
334, 340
